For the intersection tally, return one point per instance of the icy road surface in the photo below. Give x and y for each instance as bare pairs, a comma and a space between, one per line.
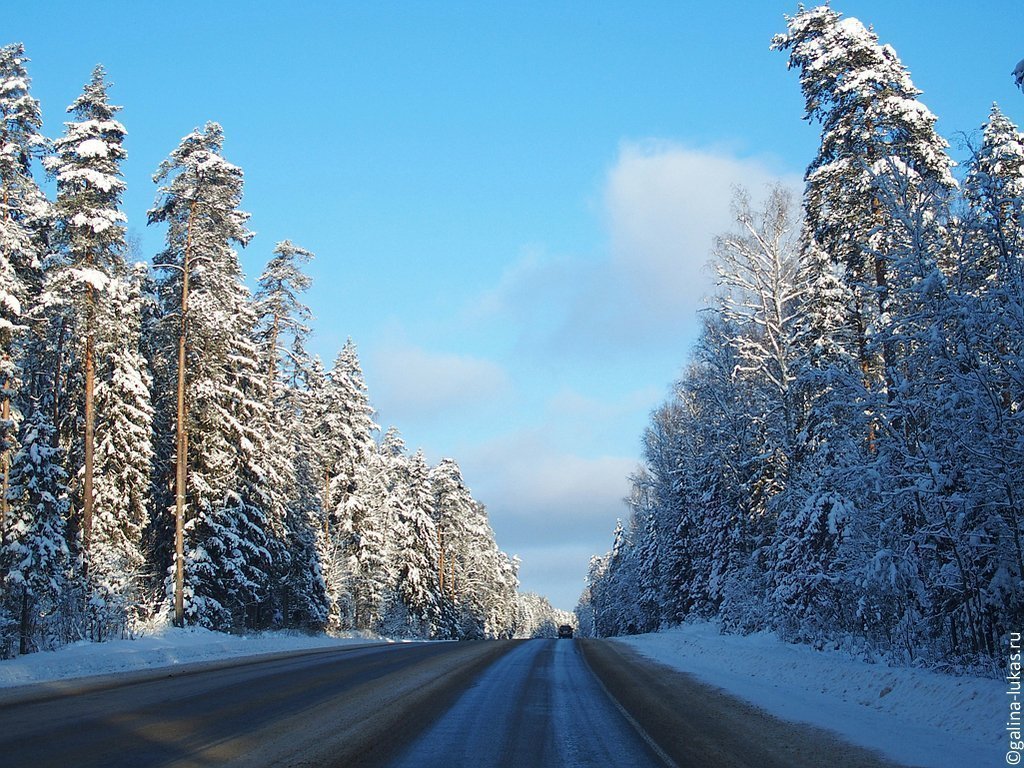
537, 705
483, 704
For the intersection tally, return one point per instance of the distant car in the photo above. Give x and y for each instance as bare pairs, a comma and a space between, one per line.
565, 631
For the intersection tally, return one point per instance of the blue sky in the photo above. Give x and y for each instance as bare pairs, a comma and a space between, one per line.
511, 203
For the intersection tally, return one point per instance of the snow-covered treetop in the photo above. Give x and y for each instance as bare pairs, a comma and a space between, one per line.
1001, 157
20, 116
872, 121
195, 174
861, 93
87, 168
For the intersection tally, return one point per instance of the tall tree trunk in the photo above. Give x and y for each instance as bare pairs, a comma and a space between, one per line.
440, 561
5, 462
5, 415
181, 432
272, 359
58, 372
90, 428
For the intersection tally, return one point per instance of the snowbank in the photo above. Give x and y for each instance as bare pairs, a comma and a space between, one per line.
914, 716
162, 646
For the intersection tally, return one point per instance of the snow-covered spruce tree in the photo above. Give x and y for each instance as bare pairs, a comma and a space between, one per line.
118, 565
371, 540
452, 507
417, 552
389, 497
649, 544
283, 318
281, 334
345, 433
23, 214
33, 551
221, 570
320, 416
725, 441
667, 451
305, 602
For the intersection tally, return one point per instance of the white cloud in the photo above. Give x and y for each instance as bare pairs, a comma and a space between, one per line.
663, 204
539, 494
411, 384
554, 508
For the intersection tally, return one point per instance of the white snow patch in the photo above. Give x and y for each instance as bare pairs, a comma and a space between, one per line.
163, 646
913, 716
93, 148
93, 277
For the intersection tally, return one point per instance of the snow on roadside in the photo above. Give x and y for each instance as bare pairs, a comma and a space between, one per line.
160, 646
913, 716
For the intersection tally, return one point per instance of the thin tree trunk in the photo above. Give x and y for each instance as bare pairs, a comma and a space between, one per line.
58, 372
5, 415
181, 431
272, 359
440, 561
5, 463
90, 430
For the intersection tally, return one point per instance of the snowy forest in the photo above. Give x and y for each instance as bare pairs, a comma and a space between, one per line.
167, 444
842, 459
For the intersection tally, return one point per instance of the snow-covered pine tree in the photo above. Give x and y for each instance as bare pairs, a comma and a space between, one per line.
224, 532
23, 214
90, 232
873, 126
863, 96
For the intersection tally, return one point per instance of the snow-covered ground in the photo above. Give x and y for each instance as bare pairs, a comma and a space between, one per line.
914, 716
160, 646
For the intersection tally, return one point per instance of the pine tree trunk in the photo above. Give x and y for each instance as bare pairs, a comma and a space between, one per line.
57, 373
90, 432
181, 431
5, 415
440, 561
272, 359
5, 463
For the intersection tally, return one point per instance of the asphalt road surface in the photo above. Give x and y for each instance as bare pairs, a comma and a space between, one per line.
500, 703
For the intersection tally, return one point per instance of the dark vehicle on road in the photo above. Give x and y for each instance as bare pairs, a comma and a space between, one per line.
565, 631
